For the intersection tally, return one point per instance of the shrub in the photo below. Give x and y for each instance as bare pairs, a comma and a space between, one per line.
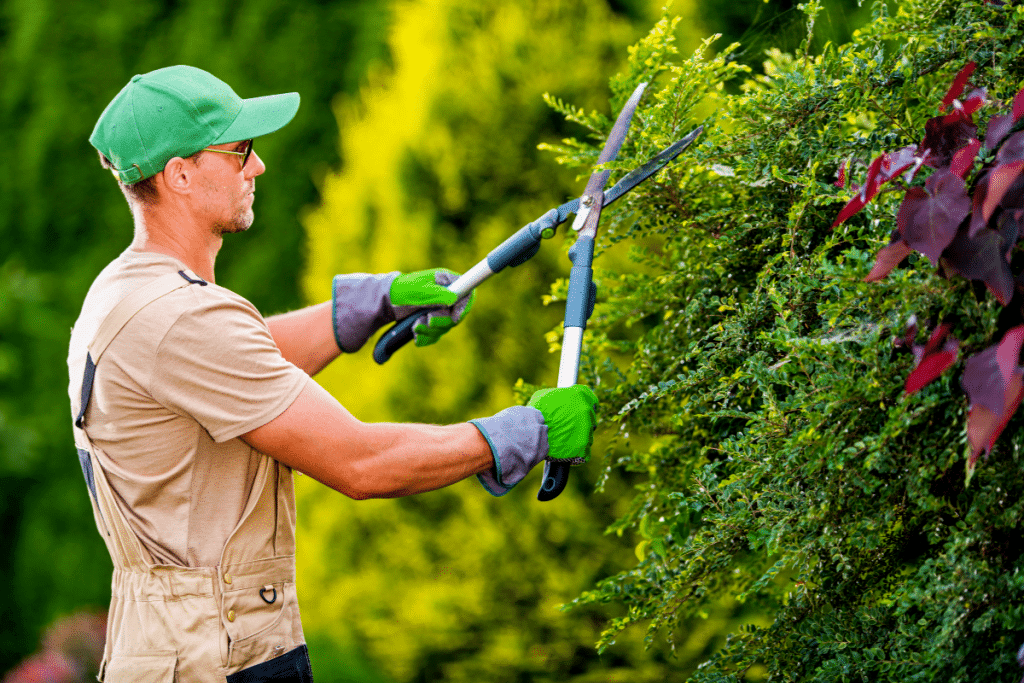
783, 465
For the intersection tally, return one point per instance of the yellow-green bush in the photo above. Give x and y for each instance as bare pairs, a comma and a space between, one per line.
440, 165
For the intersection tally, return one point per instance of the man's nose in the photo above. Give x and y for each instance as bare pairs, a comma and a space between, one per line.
255, 166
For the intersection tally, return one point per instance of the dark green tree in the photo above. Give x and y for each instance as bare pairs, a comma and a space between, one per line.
62, 219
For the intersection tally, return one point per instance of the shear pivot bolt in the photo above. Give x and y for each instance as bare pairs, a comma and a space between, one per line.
587, 201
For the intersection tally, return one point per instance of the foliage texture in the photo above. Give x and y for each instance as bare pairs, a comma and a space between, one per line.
784, 465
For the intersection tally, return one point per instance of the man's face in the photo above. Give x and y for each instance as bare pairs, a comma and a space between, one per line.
227, 189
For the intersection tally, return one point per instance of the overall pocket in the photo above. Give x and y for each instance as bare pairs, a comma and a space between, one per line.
264, 629
157, 666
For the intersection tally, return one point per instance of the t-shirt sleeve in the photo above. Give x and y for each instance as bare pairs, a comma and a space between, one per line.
218, 363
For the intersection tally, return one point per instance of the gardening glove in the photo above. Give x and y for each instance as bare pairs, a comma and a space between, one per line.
428, 288
556, 425
363, 303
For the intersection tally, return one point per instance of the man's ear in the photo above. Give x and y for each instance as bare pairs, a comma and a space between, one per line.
178, 175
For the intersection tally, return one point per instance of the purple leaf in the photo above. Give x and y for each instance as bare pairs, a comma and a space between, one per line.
992, 380
933, 359
934, 342
959, 81
977, 201
1012, 150
975, 100
998, 127
982, 257
983, 382
895, 163
964, 158
1013, 200
932, 367
1009, 230
1018, 105
928, 218
883, 169
841, 175
984, 426
856, 204
1000, 180
888, 257
911, 332
944, 135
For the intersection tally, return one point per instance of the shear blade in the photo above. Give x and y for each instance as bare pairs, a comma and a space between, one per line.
616, 137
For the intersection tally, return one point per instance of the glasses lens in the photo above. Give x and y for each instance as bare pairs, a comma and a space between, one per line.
248, 153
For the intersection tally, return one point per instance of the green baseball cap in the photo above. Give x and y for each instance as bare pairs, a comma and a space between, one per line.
177, 111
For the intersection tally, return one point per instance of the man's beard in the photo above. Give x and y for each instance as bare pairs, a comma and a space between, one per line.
241, 222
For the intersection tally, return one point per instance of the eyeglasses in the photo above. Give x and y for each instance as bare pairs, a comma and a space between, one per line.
245, 153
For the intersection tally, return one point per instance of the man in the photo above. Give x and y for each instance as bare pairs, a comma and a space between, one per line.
191, 410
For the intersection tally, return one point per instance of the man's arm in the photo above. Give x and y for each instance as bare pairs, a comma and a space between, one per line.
306, 337
361, 304
318, 437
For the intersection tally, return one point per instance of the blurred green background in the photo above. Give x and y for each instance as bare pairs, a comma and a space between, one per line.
415, 145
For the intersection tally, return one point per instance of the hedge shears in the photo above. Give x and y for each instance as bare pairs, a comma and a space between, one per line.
525, 243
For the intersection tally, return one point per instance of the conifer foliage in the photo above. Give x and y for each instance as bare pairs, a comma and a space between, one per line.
802, 447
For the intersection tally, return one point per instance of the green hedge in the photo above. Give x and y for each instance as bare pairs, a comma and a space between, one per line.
750, 374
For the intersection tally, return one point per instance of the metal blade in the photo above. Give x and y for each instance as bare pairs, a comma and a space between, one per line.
636, 176
616, 137
621, 127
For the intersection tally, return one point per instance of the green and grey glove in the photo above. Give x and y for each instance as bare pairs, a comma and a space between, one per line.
363, 303
429, 288
556, 425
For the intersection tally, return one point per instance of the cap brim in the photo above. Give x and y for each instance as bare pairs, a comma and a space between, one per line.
260, 116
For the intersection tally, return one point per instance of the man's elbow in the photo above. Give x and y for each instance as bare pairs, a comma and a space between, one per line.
360, 481
350, 484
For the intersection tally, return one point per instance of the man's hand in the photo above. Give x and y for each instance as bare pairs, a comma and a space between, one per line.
428, 288
570, 416
557, 424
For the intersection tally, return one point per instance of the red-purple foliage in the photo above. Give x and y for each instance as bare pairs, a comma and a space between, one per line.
929, 217
931, 359
888, 258
959, 81
966, 218
841, 175
882, 170
994, 385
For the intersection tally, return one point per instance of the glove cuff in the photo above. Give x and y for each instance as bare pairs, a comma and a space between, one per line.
518, 439
360, 307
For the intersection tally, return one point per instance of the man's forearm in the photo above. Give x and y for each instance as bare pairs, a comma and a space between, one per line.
405, 459
318, 437
306, 337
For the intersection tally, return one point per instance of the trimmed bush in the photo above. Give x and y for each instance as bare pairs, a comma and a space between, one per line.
750, 374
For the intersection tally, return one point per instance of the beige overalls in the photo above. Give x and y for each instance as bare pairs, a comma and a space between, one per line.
192, 624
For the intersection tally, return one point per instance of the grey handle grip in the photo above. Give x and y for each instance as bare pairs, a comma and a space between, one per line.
395, 338
515, 251
556, 476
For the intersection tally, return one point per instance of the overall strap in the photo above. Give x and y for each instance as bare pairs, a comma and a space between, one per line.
126, 550
118, 317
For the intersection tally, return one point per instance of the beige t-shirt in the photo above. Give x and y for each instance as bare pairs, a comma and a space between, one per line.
173, 391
